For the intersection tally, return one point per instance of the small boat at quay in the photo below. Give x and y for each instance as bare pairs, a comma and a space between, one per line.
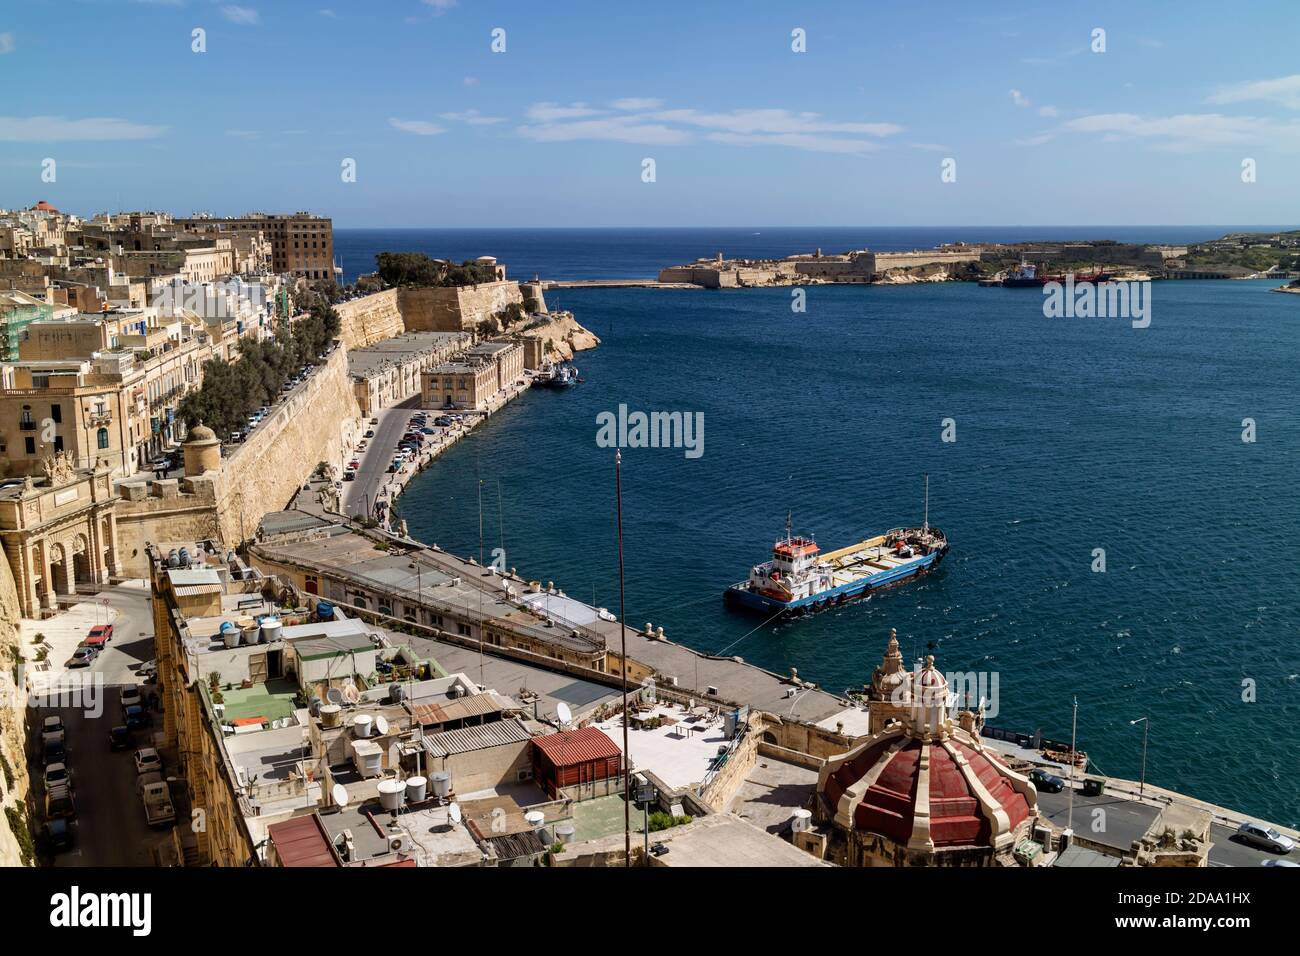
550, 375
799, 579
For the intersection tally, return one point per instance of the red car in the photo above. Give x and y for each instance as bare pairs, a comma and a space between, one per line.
99, 635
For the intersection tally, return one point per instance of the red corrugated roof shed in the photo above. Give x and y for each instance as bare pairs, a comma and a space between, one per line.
302, 841
571, 747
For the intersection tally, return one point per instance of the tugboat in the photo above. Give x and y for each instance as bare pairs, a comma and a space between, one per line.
801, 580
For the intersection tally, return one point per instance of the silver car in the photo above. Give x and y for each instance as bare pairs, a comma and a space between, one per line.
1265, 838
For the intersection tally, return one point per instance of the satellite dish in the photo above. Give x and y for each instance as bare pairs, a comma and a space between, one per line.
564, 713
381, 724
453, 813
340, 795
352, 694
334, 695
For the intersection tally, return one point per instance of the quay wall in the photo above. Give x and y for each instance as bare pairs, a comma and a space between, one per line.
14, 782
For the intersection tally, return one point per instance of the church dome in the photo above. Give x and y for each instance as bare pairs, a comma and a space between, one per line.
924, 784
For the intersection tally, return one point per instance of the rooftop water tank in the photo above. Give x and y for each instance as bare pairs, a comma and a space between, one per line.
229, 634
390, 794
325, 610
535, 819
415, 789
441, 783
564, 833
396, 692
331, 715
271, 629
173, 559
801, 820
361, 726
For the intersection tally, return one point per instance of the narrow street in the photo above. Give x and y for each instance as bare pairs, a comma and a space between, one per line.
109, 828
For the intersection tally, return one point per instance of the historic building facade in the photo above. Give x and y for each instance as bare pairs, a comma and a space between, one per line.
59, 532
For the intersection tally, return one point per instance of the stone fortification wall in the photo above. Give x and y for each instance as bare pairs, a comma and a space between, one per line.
265, 472
14, 783
455, 309
369, 319
171, 510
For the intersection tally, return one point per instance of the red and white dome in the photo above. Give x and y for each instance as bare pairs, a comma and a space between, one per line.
925, 783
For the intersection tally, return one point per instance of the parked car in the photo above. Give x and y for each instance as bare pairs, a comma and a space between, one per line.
148, 670
120, 738
370, 433
395, 465
442, 421
59, 833
349, 475
130, 697
236, 437
355, 463
55, 751
147, 760
99, 634
83, 656
52, 729
1264, 838
59, 803
1278, 863
1046, 782
57, 775
136, 717
374, 421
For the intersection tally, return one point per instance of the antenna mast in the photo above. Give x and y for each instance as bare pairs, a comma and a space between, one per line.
926, 521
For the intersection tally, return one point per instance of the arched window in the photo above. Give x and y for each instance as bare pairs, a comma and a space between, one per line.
102, 436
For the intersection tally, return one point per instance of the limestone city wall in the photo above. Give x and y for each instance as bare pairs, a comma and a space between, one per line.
265, 472
369, 319
14, 783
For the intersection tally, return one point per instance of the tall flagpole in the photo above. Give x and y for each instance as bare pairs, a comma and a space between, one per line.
622, 622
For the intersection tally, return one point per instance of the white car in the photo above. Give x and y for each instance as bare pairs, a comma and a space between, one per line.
147, 760
130, 697
57, 775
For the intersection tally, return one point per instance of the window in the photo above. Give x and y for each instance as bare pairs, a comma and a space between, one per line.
102, 437
56, 413
30, 444
58, 443
463, 629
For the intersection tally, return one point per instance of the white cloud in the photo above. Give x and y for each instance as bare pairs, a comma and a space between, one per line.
551, 112
242, 133
327, 12
743, 127
637, 103
244, 16
1186, 132
470, 81
7, 44
55, 129
440, 6
1019, 98
625, 129
472, 117
1284, 90
418, 127
1048, 111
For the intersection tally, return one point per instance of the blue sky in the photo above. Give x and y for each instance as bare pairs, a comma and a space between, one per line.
743, 131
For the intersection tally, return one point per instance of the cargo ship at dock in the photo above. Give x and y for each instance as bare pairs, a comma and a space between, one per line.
1027, 276
799, 579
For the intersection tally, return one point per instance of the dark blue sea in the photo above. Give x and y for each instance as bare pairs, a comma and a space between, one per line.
1072, 435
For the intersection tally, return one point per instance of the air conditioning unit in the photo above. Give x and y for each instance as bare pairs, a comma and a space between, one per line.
399, 841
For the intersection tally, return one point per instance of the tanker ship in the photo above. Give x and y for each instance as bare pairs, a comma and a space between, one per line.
799, 579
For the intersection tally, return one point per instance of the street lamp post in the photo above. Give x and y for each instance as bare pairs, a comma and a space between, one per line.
1146, 724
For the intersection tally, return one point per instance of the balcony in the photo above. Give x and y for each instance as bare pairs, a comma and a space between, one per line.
27, 426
